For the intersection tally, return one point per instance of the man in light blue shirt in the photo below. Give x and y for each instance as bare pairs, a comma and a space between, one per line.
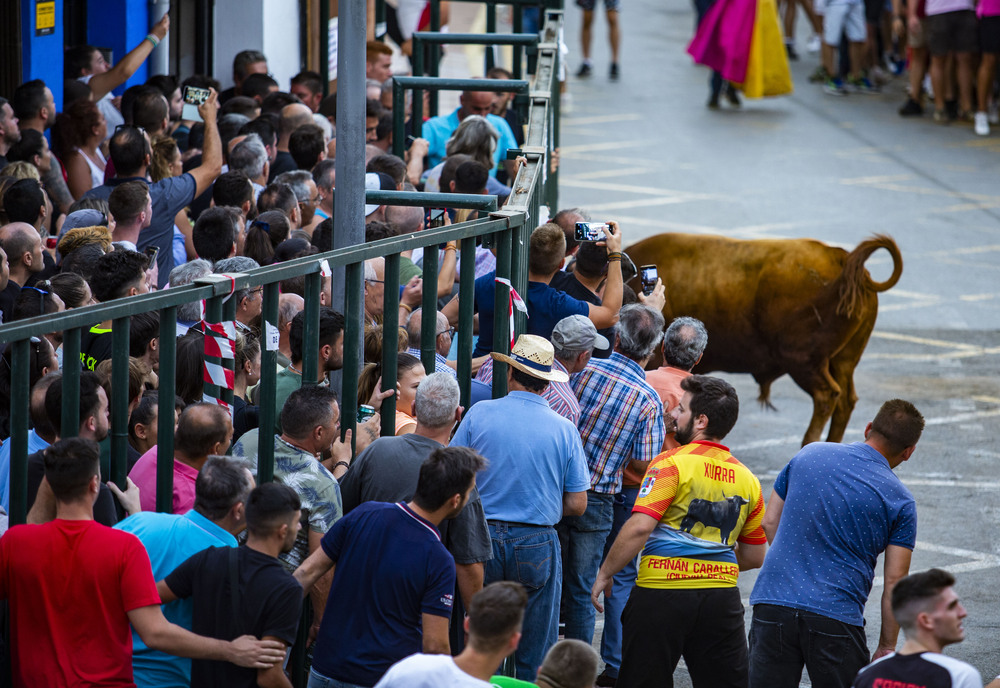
537, 474
41, 435
437, 130
221, 490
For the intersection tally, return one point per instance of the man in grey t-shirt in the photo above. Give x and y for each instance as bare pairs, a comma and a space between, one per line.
387, 471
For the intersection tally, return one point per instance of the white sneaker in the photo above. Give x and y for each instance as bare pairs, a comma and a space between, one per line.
982, 124
814, 44
993, 113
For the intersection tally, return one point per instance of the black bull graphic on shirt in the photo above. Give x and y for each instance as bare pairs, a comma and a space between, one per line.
723, 515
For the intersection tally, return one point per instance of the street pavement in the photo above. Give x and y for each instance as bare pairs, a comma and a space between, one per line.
645, 151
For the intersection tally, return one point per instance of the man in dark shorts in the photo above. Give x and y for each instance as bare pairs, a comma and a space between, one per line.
614, 35
952, 29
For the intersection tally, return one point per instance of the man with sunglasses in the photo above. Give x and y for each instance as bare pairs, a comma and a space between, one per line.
131, 153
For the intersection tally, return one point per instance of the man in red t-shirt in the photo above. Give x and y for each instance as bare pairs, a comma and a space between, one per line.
74, 586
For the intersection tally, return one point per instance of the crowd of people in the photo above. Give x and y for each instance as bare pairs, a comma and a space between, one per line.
428, 557
948, 47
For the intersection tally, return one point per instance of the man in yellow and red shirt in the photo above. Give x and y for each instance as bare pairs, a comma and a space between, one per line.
697, 521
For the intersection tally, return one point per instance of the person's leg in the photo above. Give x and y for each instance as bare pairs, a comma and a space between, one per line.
654, 625
775, 656
611, 638
965, 80
814, 19
790, 30
857, 59
833, 27
987, 68
586, 32
834, 651
716, 648
533, 561
614, 34
937, 82
587, 535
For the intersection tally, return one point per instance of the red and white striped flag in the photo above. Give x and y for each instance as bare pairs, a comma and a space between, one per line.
216, 374
514, 301
218, 341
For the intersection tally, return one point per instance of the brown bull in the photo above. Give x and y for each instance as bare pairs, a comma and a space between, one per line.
771, 307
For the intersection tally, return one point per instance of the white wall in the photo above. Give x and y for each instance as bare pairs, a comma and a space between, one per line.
271, 26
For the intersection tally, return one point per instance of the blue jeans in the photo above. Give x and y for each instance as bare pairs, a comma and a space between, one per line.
611, 639
530, 556
585, 537
784, 639
318, 680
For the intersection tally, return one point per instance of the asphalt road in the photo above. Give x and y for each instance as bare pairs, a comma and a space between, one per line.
645, 151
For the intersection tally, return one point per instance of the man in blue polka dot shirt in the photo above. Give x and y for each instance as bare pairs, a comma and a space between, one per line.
834, 509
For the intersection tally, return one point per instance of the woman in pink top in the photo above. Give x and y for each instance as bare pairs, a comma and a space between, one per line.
989, 44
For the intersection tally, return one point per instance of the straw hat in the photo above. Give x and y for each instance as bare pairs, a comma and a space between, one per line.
533, 355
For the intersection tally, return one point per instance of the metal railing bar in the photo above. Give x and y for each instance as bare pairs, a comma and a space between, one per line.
390, 338
165, 411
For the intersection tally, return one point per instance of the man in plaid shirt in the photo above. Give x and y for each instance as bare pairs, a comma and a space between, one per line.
621, 420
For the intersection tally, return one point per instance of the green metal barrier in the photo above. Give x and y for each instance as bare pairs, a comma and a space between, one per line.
507, 229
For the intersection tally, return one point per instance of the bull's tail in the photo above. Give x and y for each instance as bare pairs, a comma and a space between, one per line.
855, 278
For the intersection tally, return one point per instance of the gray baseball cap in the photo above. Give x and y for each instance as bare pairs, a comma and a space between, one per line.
577, 333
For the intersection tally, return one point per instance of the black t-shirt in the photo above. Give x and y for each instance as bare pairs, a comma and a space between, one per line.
268, 602
245, 417
283, 162
105, 511
7, 299
95, 346
567, 282
923, 670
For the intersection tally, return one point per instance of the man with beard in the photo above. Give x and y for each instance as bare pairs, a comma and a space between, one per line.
697, 521
400, 599
238, 590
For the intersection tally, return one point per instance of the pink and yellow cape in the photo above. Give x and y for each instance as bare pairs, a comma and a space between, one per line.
742, 40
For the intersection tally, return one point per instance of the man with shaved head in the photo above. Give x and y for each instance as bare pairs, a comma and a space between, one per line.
203, 430
437, 130
292, 117
23, 247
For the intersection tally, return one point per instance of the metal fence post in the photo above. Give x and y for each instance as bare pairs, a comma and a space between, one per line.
70, 421
165, 411
428, 309
390, 338
119, 402
19, 389
267, 391
466, 310
501, 323
353, 317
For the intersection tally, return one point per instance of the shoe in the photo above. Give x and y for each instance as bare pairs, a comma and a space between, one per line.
713, 102
732, 96
879, 76
790, 49
584, 71
951, 107
820, 76
993, 113
982, 124
911, 108
814, 44
941, 116
613, 72
835, 87
863, 85
605, 681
